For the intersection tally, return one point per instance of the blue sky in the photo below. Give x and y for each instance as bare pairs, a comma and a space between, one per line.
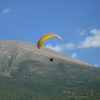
76, 21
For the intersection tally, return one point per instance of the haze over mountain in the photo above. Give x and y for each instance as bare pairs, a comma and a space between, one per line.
65, 78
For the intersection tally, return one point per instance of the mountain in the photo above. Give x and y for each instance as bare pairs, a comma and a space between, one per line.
27, 74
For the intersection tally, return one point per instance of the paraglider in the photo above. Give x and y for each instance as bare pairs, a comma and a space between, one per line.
51, 59
45, 37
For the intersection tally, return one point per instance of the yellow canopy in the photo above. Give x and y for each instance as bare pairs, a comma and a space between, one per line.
45, 37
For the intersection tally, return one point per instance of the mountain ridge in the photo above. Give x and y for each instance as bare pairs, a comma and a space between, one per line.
43, 51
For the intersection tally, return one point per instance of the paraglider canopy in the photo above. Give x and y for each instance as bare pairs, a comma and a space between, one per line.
45, 37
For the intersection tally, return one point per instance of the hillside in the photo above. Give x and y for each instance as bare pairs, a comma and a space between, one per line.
27, 74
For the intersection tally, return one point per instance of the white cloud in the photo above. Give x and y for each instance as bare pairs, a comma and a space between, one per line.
6, 10
96, 65
91, 41
56, 48
95, 31
69, 46
81, 32
74, 55
61, 47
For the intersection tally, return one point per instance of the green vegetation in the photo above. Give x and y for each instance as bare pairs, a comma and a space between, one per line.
63, 81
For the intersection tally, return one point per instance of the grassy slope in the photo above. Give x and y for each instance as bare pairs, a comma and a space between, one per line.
51, 82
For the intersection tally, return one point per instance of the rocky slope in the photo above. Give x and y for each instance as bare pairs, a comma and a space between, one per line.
12, 53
